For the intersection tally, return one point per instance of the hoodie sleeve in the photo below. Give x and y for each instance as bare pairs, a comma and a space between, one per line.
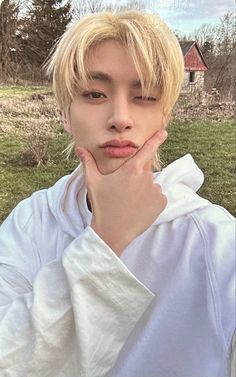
233, 357
88, 302
218, 230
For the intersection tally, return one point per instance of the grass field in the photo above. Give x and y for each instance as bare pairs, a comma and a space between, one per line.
211, 143
21, 91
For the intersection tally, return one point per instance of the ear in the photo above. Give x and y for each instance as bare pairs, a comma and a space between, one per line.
66, 123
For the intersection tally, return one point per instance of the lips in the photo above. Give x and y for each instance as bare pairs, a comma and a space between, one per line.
119, 148
119, 143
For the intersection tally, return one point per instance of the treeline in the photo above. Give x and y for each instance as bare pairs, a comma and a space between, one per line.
218, 45
29, 29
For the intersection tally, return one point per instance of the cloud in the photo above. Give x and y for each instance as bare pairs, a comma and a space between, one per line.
195, 9
188, 15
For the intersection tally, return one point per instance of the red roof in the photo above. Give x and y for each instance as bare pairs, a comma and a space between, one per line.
193, 58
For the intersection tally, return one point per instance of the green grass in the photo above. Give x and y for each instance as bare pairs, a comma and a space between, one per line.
18, 181
211, 143
22, 91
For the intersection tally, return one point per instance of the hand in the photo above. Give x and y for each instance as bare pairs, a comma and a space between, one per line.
127, 201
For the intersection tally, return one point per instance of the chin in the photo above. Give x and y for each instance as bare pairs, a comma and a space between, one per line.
111, 165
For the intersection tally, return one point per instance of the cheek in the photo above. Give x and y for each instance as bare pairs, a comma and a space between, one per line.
159, 122
79, 126
80, 135
83, 135
153, 119
153, 126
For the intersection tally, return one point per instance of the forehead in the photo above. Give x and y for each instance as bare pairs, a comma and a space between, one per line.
110, 59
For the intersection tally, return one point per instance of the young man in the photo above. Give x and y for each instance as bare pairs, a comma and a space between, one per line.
117, 271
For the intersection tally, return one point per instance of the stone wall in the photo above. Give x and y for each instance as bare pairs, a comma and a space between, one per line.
197, 85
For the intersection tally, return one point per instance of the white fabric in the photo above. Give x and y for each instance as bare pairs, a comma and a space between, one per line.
233, 357
70, 308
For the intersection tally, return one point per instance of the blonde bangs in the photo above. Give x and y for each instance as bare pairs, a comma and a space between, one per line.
152, 45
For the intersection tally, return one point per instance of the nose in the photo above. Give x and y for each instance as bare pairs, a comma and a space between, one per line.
120, 119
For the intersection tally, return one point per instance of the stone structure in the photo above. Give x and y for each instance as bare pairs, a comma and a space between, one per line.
195, 67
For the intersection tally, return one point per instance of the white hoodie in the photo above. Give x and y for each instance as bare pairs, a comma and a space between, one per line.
69, 307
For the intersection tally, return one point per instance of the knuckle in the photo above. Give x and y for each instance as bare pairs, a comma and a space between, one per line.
165, 200
160, 193
151, 145
149, 175
132, 168
87, 160
158, 187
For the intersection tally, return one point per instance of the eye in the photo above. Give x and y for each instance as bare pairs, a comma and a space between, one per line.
146, 98
94, 95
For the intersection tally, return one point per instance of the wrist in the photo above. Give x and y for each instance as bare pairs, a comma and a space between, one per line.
115, 242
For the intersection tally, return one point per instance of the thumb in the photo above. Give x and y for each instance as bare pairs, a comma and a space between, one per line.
88, 161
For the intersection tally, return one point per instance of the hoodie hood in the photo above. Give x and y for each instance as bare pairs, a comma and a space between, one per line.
180, 180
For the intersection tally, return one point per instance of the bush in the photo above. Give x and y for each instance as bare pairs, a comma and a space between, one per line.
35, 122
36, 135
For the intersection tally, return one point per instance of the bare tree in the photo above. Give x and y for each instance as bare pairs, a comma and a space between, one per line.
226, 34
129, 5
8, 24
218, 46
204, 35
226, 50
84, 7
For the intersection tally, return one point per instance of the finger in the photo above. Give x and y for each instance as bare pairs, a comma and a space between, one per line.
88, 161
148, 165
148, 150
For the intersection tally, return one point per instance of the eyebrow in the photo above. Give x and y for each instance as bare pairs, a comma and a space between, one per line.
101, 76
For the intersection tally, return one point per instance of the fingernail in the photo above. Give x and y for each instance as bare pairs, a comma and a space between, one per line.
163, 133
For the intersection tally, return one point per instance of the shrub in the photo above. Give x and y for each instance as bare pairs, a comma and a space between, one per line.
36, 135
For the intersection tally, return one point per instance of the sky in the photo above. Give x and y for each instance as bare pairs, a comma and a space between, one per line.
188, 15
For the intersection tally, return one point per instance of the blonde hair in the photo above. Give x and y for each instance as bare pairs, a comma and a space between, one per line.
154, 48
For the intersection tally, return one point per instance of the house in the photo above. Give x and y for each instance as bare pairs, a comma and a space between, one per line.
195, 66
